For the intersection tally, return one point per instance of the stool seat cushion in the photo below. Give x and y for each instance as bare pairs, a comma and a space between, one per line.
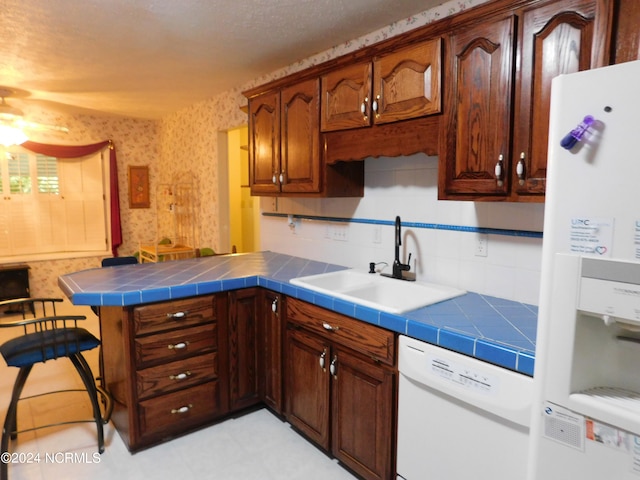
42, 346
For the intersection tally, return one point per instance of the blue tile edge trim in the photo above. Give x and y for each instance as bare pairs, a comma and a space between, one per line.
432, 226
519, 360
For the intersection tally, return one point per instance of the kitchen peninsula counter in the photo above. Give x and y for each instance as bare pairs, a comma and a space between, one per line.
490, 329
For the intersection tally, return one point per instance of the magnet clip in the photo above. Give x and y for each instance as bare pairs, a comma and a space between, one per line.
575, 135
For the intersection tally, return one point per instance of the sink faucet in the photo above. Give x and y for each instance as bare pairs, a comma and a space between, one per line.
399, 267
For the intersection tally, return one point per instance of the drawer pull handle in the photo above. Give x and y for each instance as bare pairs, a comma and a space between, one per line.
330, 327
180, 376
322, 357
183, 409
177, 315
178, 346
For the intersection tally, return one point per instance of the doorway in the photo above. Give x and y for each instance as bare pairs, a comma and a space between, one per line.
243, 209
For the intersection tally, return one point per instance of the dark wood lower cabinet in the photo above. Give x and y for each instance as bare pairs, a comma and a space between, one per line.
175, 366
363, 415
342, 398
307, 385
242, 347
270, 340
165, 364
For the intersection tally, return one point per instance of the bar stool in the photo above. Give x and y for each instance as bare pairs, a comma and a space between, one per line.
48, 337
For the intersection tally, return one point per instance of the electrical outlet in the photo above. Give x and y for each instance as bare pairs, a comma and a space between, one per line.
339, 232
377, 234
482, 244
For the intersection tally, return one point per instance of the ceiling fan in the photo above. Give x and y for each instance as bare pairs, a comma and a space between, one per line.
13, 123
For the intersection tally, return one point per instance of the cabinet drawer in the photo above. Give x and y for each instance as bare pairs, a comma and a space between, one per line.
179, 411
360, 336
176, 344
176, 375
158, 317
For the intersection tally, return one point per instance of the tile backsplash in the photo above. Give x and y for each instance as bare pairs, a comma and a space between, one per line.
407, 187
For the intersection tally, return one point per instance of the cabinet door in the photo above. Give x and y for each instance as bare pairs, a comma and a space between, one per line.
346, 98
307, 385
264, 143
300, 138
362, 413
270, 347
556, 38
406, 83
477, 123
243, 354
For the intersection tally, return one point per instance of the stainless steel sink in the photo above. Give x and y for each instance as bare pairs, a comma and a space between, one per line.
375, 291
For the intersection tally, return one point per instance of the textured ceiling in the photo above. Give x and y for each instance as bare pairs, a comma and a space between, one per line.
149, 58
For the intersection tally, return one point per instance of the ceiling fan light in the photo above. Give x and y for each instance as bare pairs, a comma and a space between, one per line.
11, 136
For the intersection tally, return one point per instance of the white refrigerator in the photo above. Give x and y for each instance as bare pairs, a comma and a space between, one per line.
586, 413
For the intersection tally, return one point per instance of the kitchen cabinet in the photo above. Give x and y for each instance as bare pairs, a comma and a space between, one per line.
499, 71
164, 364
284, 140
242, 348
270, 335
395, 86
340, 387
285, 151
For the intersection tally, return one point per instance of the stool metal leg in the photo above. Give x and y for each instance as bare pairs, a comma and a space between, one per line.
10, 421
87, 377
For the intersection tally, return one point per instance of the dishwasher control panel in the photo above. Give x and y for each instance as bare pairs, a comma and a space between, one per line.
465, 376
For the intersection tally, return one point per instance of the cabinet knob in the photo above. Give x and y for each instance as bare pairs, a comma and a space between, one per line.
499, 170
329, 327
520, 169
274, 180
322, 358
333, 368
177, 315
282, 177
178, 346
274, 305
375, 105
363, 108
180, 376
183, 409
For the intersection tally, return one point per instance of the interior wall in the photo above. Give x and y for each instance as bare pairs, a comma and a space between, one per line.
444, 251
190, 147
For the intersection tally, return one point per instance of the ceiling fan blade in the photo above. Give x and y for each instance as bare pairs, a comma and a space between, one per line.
20, 122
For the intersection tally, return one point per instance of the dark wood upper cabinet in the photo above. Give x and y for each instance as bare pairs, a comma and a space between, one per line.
495, 135
557, 38
264, 143
300, 138
399, 85
284, 140
477, 110
472, 88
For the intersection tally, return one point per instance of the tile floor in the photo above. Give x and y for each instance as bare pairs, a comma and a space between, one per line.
257, 445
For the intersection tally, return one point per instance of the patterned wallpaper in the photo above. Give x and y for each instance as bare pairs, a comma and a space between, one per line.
184, 147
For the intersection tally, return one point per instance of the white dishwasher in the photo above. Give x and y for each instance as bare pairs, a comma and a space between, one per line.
459, 417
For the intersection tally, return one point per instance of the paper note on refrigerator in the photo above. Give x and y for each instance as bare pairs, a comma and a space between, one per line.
591, 236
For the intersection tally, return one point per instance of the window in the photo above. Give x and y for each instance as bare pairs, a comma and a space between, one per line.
51, 205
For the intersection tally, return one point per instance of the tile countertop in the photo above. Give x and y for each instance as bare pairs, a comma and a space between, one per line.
490, 329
